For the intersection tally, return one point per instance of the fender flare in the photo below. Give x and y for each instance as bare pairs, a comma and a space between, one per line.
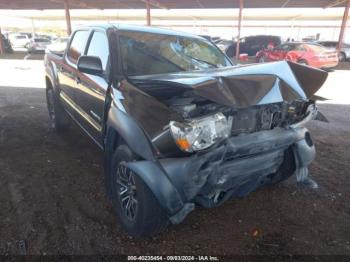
130, 132
153, 175
51, 74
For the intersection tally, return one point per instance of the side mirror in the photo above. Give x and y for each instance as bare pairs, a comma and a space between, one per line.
90, 65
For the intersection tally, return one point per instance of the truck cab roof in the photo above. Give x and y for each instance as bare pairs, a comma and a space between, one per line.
140, 28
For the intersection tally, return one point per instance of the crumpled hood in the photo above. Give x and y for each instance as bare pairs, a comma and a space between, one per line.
241, 86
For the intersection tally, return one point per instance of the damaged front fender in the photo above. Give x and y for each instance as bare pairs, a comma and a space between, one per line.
130, 132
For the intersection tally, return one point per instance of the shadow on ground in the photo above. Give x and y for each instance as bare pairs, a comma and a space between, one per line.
22, 55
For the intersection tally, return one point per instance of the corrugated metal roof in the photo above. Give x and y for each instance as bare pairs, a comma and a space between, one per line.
169, 4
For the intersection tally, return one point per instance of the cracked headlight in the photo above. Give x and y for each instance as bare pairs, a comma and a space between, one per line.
200, 133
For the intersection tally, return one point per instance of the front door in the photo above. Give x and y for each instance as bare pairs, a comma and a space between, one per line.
67, 70
91, 89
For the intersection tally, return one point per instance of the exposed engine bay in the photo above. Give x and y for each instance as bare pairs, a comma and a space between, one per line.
244, 120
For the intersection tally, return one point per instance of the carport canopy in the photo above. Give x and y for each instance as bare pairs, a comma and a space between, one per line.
176, 4
168, 4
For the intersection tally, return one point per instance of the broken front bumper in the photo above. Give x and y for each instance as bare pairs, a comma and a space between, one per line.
234, 168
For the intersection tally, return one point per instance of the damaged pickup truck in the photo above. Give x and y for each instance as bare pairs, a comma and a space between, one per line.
179, 124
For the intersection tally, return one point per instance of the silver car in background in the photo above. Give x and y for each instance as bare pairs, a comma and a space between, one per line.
58, 46
38, 45
344, 54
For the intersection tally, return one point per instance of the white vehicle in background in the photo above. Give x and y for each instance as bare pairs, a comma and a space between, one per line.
58, 46
18, 40
37, 45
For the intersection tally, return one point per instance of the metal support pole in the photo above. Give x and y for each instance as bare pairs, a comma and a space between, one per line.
148, 9
66, 9
343, 25
2, 47
33, 29
239, 27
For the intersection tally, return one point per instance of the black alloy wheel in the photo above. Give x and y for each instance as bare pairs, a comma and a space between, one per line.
138, 210
126, 188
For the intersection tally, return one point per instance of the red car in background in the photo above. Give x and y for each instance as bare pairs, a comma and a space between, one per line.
303, 53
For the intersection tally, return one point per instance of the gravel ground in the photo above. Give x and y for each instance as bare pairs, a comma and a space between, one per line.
53, 202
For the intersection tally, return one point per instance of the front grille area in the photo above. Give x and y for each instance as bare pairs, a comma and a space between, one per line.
267, 117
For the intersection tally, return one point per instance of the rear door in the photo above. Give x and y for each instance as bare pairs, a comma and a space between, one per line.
91, 89
67, 70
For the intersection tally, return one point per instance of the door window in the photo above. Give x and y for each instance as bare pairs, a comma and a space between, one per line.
99, 47
77, 46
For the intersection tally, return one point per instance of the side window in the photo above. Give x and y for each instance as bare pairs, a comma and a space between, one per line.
77, 46
99, 47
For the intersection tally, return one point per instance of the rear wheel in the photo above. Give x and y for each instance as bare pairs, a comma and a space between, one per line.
59, 120
138, 211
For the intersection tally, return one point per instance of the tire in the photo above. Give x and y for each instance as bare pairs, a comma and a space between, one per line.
138, 211
59, 120
303, 62
342, 57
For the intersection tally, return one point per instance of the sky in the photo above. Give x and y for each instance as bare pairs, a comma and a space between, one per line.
292, 23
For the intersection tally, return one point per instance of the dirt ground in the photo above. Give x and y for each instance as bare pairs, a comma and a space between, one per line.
52, 198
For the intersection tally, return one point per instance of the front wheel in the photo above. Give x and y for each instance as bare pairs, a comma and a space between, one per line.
138, 211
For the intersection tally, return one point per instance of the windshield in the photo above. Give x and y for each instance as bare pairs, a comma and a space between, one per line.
150, 53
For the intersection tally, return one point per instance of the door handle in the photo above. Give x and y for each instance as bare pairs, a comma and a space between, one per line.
78, 80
